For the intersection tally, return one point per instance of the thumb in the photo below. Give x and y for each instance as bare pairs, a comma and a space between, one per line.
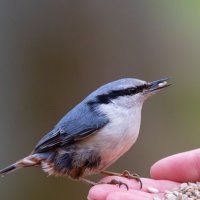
182, 167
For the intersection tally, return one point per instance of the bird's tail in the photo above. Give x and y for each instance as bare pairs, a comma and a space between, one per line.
31, 160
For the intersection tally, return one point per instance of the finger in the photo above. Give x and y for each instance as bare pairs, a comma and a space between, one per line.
120, 196
160, 185
130, 195
109, 192
101, 191
182, 167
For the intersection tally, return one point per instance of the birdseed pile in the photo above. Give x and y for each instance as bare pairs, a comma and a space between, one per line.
186, 191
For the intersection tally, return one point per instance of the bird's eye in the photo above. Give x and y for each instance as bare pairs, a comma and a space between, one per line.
131, 91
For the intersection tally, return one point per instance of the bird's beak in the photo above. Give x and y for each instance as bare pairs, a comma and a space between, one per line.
157, 85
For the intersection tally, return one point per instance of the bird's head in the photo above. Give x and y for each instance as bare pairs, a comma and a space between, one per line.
126, 92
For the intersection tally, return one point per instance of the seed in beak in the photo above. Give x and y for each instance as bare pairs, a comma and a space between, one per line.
162, 84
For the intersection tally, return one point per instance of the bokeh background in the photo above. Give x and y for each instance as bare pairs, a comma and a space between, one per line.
54, 53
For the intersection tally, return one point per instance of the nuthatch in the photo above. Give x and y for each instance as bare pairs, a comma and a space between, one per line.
95, 133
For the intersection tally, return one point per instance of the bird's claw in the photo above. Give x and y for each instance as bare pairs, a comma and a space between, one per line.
116, 182
125, 174
135, 176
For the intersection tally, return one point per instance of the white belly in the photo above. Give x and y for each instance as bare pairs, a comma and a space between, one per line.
117, 143
118, 136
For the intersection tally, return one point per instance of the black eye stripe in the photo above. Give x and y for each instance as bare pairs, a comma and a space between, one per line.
134, 90
105, 98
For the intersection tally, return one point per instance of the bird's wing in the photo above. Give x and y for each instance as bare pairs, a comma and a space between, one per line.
60, 139
71, 130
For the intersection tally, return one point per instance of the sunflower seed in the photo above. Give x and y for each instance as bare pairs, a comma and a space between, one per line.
186, 191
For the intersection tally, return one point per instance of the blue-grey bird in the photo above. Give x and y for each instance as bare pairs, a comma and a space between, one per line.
95, 133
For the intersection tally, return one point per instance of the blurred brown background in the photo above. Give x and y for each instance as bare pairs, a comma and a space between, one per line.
54, 53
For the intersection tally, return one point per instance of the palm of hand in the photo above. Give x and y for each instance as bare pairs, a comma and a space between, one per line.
167, 174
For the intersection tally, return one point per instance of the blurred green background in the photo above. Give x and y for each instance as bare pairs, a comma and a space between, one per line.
54, 53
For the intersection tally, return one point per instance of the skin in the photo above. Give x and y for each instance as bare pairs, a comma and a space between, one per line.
166, 174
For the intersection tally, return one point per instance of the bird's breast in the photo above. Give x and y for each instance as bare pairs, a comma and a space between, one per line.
118, 135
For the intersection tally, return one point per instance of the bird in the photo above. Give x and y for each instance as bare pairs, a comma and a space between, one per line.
93, 134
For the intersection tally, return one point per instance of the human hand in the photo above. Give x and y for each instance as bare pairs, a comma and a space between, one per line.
114, 192
171, 171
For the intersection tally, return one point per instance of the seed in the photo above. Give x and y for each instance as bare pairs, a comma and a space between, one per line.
152, 190
186, 191
162, 84
156, 198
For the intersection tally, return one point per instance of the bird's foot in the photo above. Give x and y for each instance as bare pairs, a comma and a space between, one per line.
125, 174
135, 176
112, 182
89, 182
116, 182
